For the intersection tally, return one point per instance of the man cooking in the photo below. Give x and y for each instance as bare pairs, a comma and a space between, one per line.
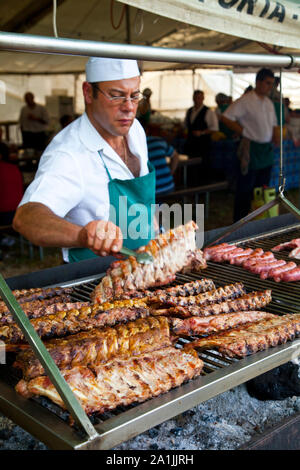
94, 173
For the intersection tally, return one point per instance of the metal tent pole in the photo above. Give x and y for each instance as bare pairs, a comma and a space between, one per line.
79, 47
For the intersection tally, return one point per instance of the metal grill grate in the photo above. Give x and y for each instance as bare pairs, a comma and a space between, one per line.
219, 373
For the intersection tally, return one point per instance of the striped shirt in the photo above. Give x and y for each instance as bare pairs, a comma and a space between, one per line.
158, 150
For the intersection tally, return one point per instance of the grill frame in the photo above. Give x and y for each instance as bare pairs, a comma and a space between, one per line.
124, 424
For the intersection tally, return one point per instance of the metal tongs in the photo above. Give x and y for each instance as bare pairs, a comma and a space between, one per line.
143, 258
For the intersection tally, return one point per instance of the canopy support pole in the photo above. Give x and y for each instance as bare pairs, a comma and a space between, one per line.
79, 47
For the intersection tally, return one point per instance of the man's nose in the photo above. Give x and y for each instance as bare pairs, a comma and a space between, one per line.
128, 104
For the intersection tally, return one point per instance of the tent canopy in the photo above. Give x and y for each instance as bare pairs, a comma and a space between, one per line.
186, 24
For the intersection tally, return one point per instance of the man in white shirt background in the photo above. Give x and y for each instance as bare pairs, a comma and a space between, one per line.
253, 117
200, 122
87, 165
34, 120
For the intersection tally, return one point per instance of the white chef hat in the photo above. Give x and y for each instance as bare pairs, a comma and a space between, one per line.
102, 69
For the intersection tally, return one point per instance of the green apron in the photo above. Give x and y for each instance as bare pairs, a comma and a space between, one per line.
132, 207
261, 155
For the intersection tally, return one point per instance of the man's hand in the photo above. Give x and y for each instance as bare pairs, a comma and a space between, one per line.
197, 133
102, 237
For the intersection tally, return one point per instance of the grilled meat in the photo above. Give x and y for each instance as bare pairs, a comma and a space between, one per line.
259, 262
184, 290
251, 338
100, 345
277, 273
230, 291
252, 301
295, 253
73, 321
211, 324
290, 245
172, 252
121, 382
189, 288
210, 252
34, 304
291, 275
27, 295
39, 308
247, 255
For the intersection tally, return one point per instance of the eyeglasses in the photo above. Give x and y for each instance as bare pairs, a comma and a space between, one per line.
120, 99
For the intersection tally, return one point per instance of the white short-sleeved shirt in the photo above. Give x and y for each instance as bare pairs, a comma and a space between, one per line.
256, 115
71, 178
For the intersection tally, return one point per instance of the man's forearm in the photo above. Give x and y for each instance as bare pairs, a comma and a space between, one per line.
38, 224
232, 125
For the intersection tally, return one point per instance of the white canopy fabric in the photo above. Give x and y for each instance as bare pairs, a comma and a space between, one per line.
270, 21
207, 25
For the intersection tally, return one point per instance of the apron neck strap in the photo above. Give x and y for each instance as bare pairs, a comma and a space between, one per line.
101, 156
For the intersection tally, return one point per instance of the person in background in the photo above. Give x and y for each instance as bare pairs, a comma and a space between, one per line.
200, 122
275, 97
4, 149
144, 108
158, 150
223, 101
249, 88
11, 187
253, 118
287, 109
34, 121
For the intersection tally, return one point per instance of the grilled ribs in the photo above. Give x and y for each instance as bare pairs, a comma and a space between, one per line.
100, 345
121, 382
211, 324
249, 339
189, 288
28, 295
39, 308
252, 301
230, 291
73, 321
172, 252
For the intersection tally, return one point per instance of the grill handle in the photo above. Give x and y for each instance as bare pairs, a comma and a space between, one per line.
46, 360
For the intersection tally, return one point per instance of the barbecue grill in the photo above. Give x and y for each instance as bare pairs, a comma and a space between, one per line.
50, 424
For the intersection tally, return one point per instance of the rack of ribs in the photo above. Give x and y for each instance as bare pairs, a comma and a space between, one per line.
173, 251
74, 321
251, 301
249, 339
230, 291
27, 295
120, 382
39, 308
212, 324
100, 345
189, 288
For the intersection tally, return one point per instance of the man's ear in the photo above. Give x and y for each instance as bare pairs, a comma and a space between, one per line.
87, 92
